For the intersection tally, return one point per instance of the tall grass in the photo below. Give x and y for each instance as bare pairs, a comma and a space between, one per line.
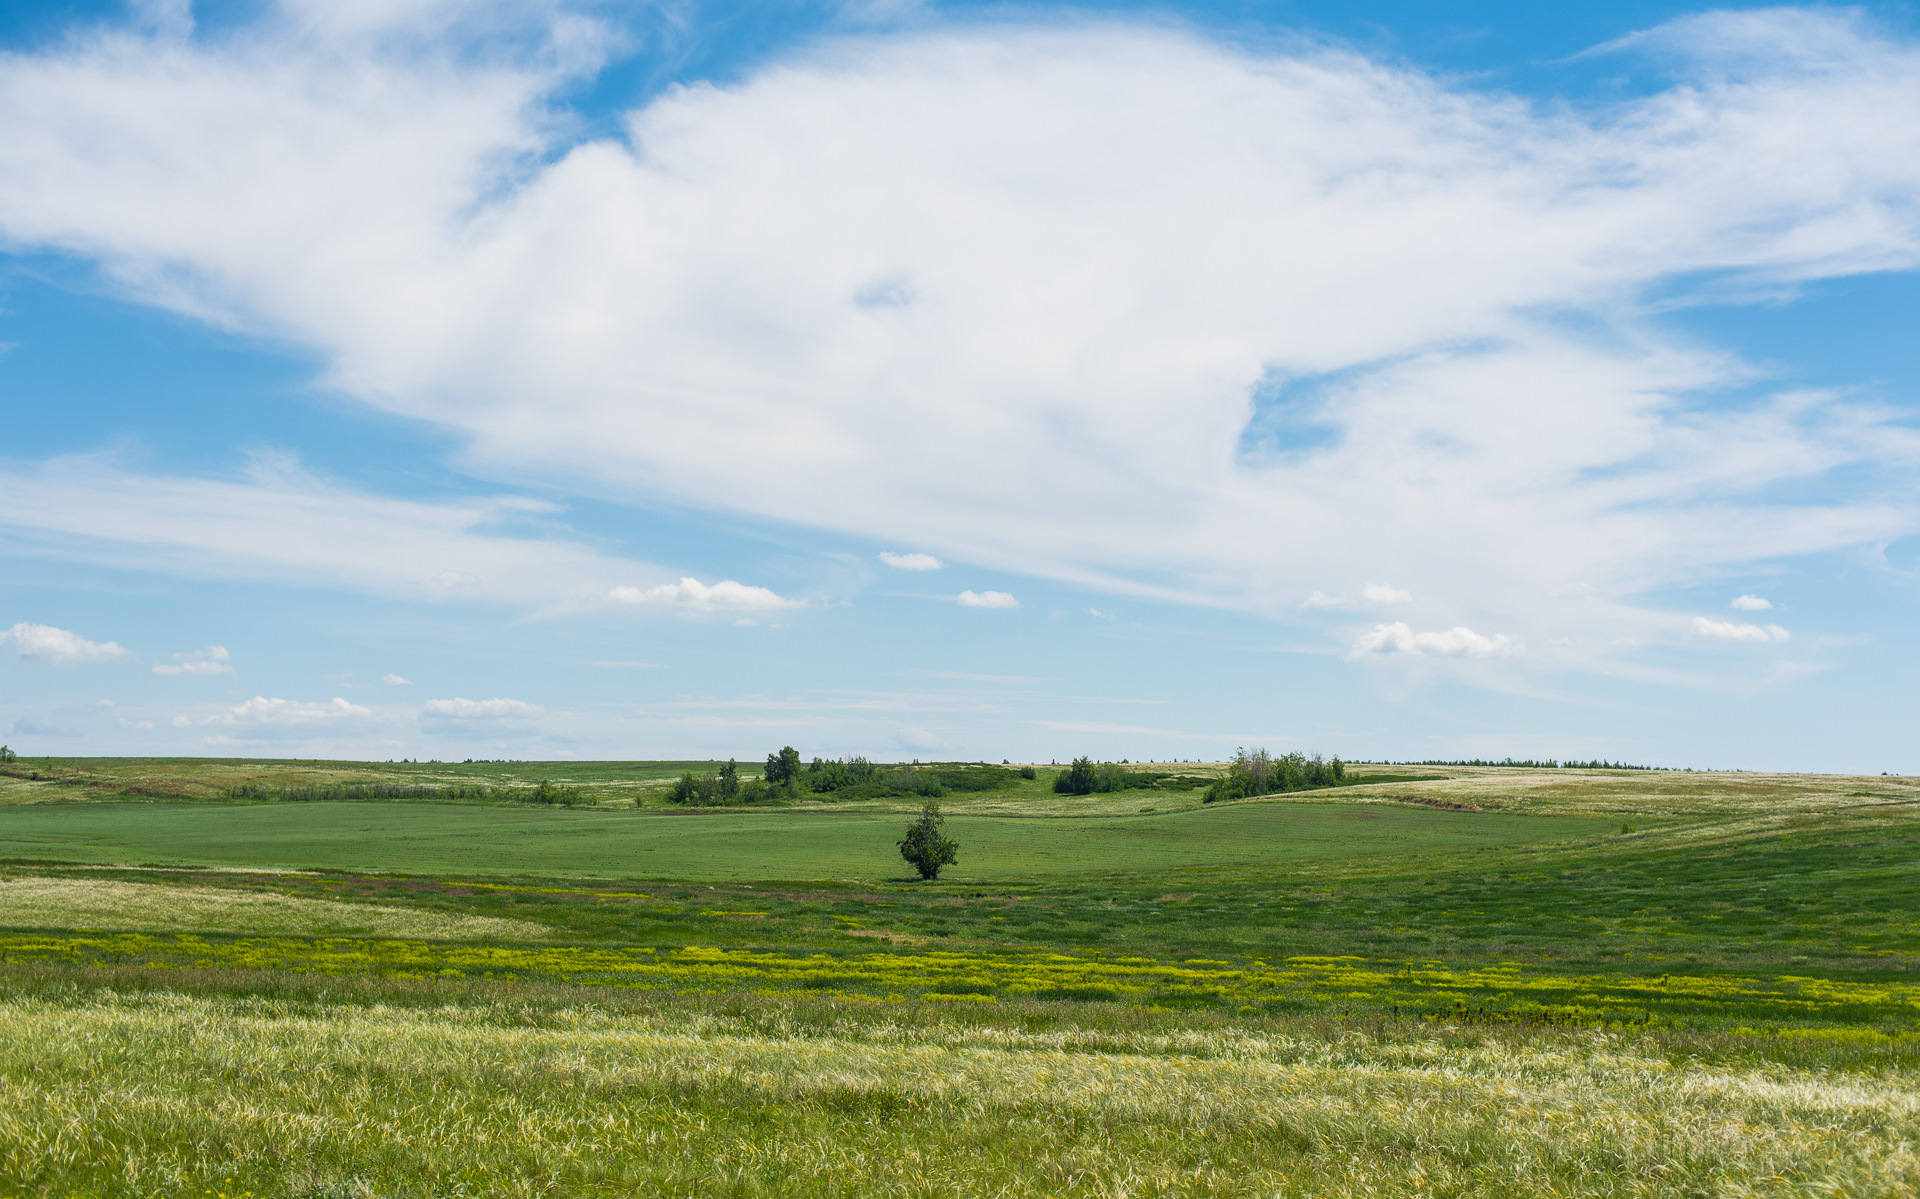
107, 1093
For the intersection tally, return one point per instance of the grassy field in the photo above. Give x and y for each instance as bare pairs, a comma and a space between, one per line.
741, 845
1459, 981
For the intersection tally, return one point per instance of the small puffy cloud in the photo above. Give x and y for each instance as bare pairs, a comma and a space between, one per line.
692, 593
912, 561
1097, 612
481, 709
1373, 595
45, 645
1752, 603
211, 660
134, 724
1728, 630
987, 599
261, 711
1457, 642
396, 680
87, 707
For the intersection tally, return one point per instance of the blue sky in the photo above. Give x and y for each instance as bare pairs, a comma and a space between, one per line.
548, 379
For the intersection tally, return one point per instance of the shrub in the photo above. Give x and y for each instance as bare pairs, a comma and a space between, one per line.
926, 845
1260, 773
1078, 778
1028, 772
698, 790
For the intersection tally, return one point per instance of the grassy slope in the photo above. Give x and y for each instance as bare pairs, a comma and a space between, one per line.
115, 1095
738, 845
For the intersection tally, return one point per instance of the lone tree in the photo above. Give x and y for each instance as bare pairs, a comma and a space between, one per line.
926, 846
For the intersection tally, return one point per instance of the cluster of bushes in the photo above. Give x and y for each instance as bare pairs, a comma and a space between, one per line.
709, 790
1260, 773
1084, 776
787, 777
546, 792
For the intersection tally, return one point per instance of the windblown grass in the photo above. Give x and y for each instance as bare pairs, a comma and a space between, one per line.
34, 902
173, 1094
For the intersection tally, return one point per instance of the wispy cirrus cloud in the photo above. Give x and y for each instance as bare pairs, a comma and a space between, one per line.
1323, 245
280, 523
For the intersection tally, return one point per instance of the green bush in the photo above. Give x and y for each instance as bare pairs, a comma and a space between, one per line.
926, 846
1260, 773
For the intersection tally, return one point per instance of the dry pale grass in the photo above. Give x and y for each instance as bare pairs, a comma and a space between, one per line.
1650, 794
172, 1095
36, 902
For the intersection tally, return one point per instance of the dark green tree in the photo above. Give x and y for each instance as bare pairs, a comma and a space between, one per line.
1077, 779
6, 755
729, 780
699, 790
927, 847
783, 769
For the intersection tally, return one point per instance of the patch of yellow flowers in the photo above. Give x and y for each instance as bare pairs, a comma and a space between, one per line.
1505, 991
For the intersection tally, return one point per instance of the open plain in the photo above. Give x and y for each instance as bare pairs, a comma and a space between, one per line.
1428, 980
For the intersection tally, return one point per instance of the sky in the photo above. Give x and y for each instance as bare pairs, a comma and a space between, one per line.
555, 379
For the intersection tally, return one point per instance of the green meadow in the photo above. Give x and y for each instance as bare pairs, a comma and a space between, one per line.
744, 846
1427, 980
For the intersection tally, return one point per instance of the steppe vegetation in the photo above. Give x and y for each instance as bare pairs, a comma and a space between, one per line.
1423, 980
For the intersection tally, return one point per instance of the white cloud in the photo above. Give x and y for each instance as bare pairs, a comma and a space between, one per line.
1752, 603
1176, 259
1373, 595
481, 709
124, 723
987, 599
282, 524
263, 712
1457, 642
395, 680
1097, 612
212, 660
1727, 630
87, 707
46, 645
1381, 593
692, 593
912, 561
